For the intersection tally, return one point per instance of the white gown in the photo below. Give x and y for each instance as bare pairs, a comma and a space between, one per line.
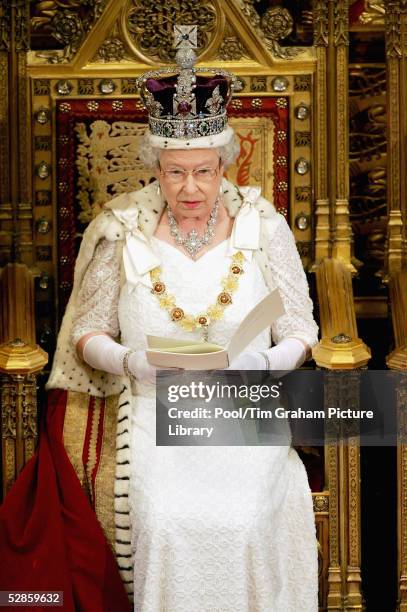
214, 529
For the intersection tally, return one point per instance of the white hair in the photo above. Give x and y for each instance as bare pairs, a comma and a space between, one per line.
150, 155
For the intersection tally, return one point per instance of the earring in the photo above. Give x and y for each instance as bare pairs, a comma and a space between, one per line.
159, 190
220, 190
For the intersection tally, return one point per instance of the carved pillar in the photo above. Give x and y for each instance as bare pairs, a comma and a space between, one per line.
402, 493
322, 229
15, 158
343, 468
396, 56
397, 360
18, 401
339, 130
16, 304
20, 359
353, 589
5, 27
333, 236
335, 574
341, 349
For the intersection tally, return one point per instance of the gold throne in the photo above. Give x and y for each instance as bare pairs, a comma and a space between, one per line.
85, 120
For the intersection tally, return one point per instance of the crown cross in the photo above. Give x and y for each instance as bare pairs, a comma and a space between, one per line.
185, 40
185, 36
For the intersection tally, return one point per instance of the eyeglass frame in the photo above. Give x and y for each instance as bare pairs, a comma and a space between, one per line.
186, 173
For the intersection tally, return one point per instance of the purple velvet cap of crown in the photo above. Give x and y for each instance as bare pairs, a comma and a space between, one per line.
164, 89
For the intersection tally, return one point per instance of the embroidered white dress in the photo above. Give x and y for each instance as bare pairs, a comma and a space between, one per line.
214, 529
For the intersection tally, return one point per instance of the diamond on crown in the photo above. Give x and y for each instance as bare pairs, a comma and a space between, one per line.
185, 121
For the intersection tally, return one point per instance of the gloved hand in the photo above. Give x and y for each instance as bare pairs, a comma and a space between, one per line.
288, 354
249, 360
102, 352
140, 368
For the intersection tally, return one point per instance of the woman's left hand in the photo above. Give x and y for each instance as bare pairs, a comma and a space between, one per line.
287, 355
249, 360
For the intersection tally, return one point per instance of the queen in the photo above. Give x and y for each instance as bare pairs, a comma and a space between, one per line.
198, 529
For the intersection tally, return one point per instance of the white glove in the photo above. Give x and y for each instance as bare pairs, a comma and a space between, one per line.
249, 360
103, 353
140, 368
288, 354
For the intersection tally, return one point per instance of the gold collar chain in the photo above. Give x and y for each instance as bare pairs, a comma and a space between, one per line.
215, 312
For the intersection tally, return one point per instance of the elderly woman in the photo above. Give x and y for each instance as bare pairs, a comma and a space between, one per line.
206, 529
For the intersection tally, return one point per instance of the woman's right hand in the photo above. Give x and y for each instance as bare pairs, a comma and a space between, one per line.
100, 351
140, 368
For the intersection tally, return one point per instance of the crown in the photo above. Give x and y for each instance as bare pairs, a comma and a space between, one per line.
181, 103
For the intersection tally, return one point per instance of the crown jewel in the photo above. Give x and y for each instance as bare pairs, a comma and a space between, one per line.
180, 102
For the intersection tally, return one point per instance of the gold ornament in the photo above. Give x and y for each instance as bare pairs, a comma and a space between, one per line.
215, 312
158, 287
224, 298
177, 314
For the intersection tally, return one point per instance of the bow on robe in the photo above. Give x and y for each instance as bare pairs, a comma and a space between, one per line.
139, 258
246, 228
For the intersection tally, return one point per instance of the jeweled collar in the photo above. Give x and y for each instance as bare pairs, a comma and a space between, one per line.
139, 213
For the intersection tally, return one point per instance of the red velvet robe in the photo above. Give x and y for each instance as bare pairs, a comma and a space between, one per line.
50, 539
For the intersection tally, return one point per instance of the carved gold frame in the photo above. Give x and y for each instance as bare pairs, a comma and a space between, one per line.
323, 190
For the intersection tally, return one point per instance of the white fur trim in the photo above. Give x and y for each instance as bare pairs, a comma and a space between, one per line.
115, 230
204, 142
121, 490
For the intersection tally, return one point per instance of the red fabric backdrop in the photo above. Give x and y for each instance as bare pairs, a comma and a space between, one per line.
69, 113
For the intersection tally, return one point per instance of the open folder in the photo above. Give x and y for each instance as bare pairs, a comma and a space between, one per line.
196, 355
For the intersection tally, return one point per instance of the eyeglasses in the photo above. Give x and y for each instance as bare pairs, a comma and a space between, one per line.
200, 175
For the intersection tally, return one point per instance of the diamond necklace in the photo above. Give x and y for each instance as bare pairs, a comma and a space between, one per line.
191, 242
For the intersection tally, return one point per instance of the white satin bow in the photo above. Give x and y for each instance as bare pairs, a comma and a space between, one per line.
138, 257
246, 228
